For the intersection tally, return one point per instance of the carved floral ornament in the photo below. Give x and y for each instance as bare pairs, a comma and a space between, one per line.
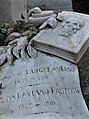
16, 49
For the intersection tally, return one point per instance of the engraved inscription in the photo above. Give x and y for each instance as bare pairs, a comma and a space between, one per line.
38, 92
39, 89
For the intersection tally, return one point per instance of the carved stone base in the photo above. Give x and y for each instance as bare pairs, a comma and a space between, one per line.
45, 87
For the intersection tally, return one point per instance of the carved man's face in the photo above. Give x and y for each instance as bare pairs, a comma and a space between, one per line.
70, 26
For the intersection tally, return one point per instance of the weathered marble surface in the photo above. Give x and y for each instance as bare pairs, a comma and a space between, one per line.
47, 116
16, 49
37, 16
43, 88
11, 10
68, 40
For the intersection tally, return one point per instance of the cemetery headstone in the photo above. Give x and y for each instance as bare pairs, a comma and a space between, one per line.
41, 87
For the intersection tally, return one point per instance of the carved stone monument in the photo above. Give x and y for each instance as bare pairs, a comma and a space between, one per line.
11, 10
69, 38
37, 85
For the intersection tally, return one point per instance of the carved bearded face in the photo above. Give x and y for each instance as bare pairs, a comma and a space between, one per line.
70, 26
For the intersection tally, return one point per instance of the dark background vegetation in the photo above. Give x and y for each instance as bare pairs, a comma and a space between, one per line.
82, 6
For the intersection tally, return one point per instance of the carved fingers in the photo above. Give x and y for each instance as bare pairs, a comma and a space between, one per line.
37, 16
31, 51
19, 49
52, 22
12, 36
9, 56
35, 10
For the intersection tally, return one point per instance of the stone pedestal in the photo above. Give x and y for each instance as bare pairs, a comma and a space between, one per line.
11, 10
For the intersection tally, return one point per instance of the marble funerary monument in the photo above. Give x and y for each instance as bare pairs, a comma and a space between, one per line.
38, 78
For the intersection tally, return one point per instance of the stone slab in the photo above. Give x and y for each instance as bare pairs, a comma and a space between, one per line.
45, 87
46, 116
69, 40
11, 10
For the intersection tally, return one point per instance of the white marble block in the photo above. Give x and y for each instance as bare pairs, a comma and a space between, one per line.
42, 88
11, 10
70, 38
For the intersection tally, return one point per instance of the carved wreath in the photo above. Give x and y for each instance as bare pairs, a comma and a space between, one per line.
16, 49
